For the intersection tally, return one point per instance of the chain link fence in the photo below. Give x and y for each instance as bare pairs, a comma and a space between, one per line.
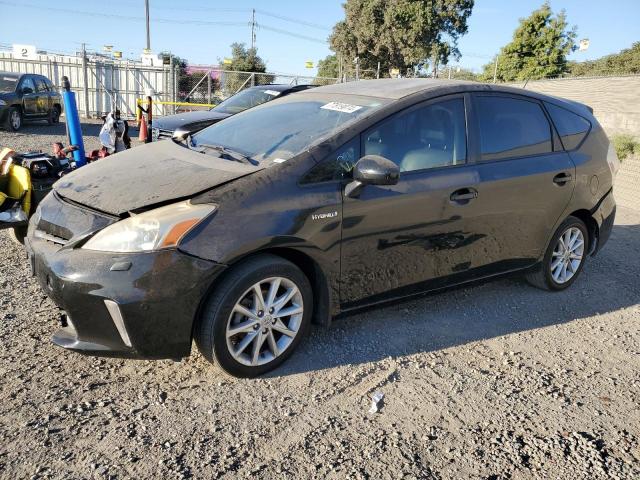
201, 86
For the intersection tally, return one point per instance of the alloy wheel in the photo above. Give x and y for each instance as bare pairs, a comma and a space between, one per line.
264, 321
567, 255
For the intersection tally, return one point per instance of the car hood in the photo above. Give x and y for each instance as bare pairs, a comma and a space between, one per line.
189, 120
147, 175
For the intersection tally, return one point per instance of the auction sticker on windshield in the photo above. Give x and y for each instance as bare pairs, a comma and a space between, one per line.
341, 107
273, 93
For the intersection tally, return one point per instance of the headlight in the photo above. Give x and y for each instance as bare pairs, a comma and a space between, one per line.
152, 230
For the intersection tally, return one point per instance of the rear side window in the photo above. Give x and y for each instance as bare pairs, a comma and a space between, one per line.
572, 127
510, 127
41, 86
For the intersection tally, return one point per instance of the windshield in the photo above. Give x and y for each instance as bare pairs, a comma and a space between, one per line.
280, 130
251, 97
8, 84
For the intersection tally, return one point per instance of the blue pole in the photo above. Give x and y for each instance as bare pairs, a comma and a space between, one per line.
73, 122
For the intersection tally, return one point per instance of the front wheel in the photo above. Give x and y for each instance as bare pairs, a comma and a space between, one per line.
565, 256
256, 317
14, 119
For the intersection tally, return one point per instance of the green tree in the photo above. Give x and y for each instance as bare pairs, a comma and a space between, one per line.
626, 61
245, 59
539, 48
406, 35
328, 67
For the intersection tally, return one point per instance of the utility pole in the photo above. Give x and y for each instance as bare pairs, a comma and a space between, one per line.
495, 70
253, 28
146, 7
357, 61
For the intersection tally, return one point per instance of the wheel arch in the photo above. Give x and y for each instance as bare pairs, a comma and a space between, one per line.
592, 226
322, 305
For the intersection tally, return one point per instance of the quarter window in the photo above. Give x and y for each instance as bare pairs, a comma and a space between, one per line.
337, 166
571, 127
511, 127
429, 136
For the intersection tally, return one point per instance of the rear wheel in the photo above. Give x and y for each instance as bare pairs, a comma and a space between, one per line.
565, 256
54, 115
14, 119
256, 317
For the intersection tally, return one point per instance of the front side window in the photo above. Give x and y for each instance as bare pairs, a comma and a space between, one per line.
251, 97
28, 83
511, 127
277, 131
429, 136
571, 127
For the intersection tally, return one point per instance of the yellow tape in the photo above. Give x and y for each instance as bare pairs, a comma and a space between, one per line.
180, 104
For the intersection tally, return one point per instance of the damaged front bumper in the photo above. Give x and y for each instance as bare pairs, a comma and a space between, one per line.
133, 305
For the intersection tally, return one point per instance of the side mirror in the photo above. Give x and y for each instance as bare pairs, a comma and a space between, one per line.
372, 170
27, 90
181, 134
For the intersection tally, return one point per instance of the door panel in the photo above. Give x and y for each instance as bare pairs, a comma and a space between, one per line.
518, 203
406, 234
43, 99
29, 100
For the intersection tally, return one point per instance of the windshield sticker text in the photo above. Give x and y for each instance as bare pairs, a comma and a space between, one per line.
341, 107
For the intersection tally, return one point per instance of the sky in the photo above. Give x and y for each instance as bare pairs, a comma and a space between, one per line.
289, 32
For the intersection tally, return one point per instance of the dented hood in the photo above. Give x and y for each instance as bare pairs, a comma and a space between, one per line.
147, 175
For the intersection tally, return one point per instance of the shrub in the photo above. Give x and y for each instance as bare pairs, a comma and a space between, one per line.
625, 145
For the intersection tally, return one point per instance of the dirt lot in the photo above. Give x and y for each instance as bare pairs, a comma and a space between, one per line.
498, 380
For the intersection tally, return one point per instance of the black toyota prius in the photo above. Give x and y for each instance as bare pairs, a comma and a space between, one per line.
322, 202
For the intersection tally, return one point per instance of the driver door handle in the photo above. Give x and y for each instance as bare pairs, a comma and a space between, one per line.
562, 178
463, 195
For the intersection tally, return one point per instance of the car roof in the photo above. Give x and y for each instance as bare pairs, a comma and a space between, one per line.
392, 88
398, 88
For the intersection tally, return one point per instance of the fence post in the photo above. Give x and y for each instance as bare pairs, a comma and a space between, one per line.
495, 70
209, 86
253, 79
85, 82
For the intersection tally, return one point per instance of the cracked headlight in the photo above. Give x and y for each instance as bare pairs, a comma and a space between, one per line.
156, 229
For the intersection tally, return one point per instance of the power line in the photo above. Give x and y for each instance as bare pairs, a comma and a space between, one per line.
293, 20
166, 20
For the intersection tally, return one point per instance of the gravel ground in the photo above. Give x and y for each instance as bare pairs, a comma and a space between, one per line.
494, 381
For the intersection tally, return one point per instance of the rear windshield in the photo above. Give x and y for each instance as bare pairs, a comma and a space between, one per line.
280, 130
8, 84
246, 99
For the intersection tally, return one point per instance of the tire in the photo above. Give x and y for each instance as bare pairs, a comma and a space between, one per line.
14, 119
223, 348
548, 276
54, 115
18, 234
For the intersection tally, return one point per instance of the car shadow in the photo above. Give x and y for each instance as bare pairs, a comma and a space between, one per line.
489, 309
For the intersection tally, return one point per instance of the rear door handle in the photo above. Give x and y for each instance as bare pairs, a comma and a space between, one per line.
562, 178
463, 195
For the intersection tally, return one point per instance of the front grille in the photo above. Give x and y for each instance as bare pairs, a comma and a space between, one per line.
59, 221
160, 134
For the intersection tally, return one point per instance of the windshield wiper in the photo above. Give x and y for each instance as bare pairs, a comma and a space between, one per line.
227, 152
